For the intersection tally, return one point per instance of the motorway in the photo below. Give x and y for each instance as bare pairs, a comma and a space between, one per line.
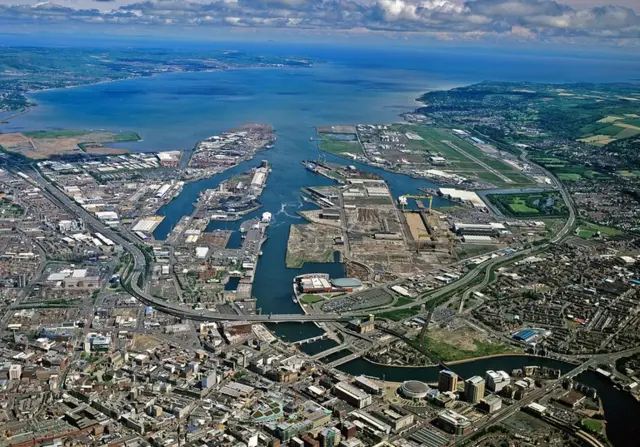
140, 266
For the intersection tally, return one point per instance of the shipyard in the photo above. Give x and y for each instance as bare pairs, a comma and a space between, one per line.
467, 277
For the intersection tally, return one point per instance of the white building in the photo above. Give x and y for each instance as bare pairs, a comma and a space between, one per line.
15, 372
497, 380
201, 252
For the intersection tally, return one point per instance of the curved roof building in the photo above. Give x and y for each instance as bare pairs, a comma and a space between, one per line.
414, 389
353, 283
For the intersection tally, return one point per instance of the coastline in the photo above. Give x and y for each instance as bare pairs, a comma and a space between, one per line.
128, 78
15, 115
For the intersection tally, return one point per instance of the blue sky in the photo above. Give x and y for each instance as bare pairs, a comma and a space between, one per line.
569, 22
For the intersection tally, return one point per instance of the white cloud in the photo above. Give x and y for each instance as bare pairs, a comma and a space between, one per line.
471, 19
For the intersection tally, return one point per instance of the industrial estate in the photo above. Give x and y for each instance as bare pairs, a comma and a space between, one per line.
126, 325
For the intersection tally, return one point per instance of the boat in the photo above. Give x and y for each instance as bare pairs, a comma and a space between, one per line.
311, 167
295, 300
310, 138
260, 253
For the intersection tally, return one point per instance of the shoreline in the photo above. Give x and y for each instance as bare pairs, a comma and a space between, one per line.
469, 360
128, 78
15, 115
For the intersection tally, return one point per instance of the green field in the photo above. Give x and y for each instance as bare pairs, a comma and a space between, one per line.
569, 177
519, 206
399, 314
100, 136
54, 133
310, 299
8, 209
449, 353
588, 230
530, 205
625, 173
593, 426
618, 129
337, 147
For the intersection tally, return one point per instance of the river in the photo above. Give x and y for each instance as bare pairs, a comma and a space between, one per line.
621, 409
348, 86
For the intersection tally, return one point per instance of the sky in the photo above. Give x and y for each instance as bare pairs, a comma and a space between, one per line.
566, 22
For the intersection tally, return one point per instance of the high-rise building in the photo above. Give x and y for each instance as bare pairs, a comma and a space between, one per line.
209, 379
15, 371
329, 437
448, 381
497, 380
474, 389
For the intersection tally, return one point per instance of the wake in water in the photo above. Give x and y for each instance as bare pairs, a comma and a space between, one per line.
284, 206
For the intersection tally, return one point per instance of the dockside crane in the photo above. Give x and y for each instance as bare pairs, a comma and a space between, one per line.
403, 200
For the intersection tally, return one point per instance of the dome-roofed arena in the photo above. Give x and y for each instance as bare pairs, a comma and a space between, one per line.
414, 389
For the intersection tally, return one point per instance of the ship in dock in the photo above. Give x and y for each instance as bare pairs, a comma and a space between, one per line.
311, 166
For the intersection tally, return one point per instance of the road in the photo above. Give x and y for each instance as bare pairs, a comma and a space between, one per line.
564, 232
140, 265
529, 398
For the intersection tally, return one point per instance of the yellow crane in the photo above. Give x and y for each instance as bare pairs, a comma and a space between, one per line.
402, 200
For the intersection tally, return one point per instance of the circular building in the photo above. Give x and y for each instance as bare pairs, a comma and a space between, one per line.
414, 389
346, 283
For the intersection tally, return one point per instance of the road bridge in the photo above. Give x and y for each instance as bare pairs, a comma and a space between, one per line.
346, 359
310, 340
330, 351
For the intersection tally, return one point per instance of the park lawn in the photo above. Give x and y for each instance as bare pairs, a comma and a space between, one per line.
310, 299
519, 206
585, 234
593, 426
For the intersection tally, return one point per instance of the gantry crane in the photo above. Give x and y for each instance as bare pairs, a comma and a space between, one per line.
402, 200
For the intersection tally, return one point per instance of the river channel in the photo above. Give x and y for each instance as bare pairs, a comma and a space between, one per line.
373, 85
